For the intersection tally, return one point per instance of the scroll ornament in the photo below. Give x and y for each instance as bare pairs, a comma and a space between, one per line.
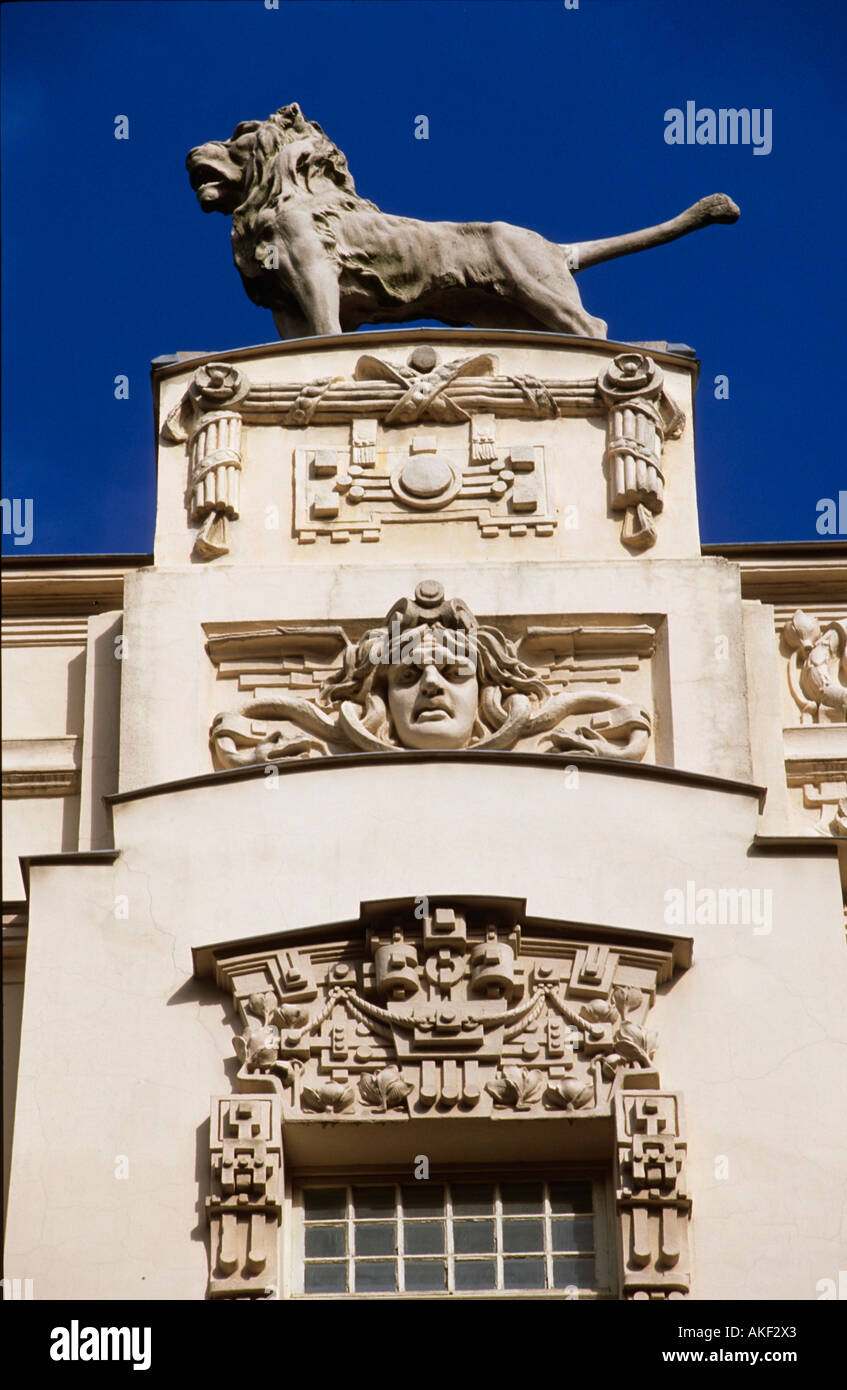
431, 677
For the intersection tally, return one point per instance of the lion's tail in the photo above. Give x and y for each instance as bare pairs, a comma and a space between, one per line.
718, 207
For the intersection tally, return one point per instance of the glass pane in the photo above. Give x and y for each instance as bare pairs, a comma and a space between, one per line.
373, 1201
576, 1271
522, 1199
376, 1238
567, 1197
523, 1235
425, 1275
326, 1278
473, 1199
376, 1276
524, 1274
325, 1204
423, 1200
576, 1234
473, 1237
325, 1241
476, 1274
424, 1238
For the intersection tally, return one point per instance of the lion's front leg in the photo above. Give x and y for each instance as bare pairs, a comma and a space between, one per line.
291, 324
314, 279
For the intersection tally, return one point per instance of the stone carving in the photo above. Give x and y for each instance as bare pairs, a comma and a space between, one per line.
208, 419
816, 751
430, 677
817, 674
822, 788
437, 1010
651, 1193
244, 1206
453, 1009
640, 416
386, 476
325, 260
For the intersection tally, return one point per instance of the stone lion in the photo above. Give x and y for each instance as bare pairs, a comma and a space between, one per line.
325, 260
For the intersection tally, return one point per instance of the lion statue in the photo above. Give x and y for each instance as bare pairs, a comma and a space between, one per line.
325, 260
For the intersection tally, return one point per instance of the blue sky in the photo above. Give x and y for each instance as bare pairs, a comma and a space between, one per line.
541, 115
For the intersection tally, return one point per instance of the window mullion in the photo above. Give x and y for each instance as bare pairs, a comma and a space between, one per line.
400, 1239
351, 1265
450, 1247
548, 1237
498, 1237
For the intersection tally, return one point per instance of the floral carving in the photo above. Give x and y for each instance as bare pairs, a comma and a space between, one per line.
332, 1095
385, 1090
445, 1014
570, 1094
516, 1087
258, 1045
633, 1045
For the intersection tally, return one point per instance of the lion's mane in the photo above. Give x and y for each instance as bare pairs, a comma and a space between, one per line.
292, 159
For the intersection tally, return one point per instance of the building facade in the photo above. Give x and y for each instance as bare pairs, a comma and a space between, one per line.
435, 803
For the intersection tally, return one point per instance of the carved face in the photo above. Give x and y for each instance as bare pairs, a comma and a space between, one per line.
433, 698
218, 170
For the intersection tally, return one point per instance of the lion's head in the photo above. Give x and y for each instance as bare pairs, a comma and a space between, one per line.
263, 165
219, 170
264, 161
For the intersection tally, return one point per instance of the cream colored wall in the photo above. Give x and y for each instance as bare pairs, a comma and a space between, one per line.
753, 1034
43, 697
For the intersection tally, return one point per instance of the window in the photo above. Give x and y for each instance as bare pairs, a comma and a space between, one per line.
470, 1235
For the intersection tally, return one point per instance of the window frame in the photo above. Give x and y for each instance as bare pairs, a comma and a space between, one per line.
605, 1264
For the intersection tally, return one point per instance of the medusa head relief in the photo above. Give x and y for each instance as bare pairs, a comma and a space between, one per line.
430, 677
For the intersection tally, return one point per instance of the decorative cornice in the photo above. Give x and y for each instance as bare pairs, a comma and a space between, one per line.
80, 585
64, 859
553, 762
41, 766
45, 631
789, 573
450, 337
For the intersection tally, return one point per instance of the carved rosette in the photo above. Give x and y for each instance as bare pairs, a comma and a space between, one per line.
385, 477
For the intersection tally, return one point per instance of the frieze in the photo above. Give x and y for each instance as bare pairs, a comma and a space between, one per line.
431, 676
384, 475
